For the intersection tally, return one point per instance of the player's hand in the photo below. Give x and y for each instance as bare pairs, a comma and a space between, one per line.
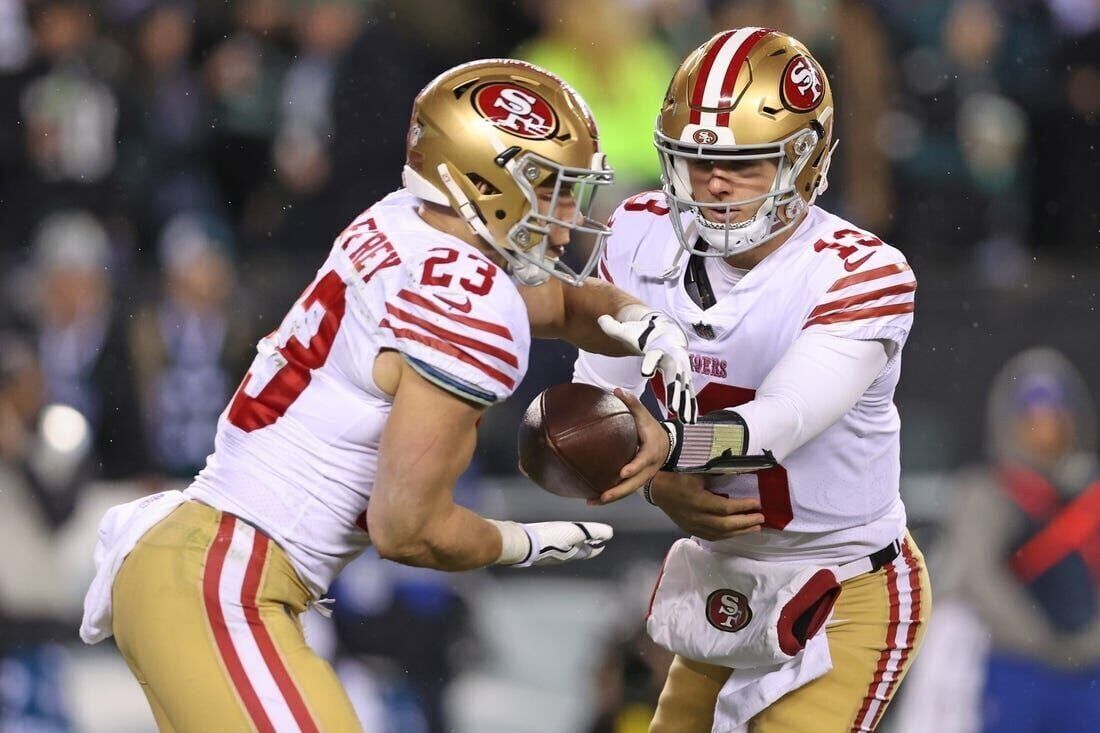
652, 453
553, 543
663, 346
685, 499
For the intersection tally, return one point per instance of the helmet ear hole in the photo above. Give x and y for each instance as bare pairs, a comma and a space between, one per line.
500, 213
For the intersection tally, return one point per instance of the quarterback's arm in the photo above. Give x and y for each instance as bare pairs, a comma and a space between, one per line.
818, 380
412, 519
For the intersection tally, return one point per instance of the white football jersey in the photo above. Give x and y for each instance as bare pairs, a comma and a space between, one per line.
296, 450
835, 497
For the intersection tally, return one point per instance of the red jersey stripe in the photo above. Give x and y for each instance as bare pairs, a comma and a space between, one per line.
704, 72
423, 302
455, 338
834, 305
249, 588
862, 314
450, 350
211, 595
605, 272
875, 274
732, 72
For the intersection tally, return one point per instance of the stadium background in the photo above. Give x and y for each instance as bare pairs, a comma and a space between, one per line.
172, 172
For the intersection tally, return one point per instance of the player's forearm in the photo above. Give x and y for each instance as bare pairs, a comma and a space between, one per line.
813, 385
584, 305
454, 539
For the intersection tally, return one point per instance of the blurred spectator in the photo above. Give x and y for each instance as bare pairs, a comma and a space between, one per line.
612, 58
1067, 158
958, 132
243, 74
628, 683
68, 116
191, 347
81, 340
1022, 568
43, 462
165, 130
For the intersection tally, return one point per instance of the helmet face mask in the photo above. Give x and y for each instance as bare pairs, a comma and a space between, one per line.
746, 94
487, 138
777, 210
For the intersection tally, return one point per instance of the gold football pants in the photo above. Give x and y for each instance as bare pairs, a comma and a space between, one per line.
206, 613
874, 633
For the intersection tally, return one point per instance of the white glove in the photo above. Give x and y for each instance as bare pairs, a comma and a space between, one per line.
550, 543
663, 345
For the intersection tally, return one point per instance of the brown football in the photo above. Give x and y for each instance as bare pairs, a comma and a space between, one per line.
574, 440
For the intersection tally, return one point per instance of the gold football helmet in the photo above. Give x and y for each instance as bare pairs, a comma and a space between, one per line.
484, 136
747, 93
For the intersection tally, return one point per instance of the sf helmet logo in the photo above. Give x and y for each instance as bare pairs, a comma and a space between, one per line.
516, 110
705, 137
728, 610
802, 86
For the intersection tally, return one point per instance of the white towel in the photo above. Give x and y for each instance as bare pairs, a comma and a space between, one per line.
749, 691
119, 532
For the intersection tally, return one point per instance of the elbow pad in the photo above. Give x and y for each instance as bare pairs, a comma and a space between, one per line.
716, 444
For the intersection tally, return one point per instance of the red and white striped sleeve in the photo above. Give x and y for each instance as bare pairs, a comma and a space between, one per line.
877, 303
462, 342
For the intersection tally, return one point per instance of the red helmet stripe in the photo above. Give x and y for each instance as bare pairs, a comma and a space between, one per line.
733, 70
704, 72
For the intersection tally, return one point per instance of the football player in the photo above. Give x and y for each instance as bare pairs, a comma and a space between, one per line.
359, 412
796, 321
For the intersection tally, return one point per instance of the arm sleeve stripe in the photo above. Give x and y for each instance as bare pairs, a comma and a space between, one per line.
456, 338
875, 274
450, 350
605, 272
451, 383
423, 302
861, 314
843, 303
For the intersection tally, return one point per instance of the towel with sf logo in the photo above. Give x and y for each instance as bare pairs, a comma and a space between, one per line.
736, 612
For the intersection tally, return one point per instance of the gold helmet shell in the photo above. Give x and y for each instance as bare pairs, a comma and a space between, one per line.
747, 93
485, 135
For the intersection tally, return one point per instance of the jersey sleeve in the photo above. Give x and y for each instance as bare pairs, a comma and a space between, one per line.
472, 344
876, 303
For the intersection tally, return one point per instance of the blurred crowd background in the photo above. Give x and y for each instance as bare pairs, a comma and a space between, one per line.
173, 171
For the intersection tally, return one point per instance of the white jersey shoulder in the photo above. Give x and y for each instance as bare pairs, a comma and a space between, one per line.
456, 316
296, 450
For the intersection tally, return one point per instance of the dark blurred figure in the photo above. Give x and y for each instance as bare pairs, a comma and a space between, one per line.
1067, 183
166, 120
67, 118
1022, 568
82, 338
628, 683
971, 73
191, 346
44, 453
243, 74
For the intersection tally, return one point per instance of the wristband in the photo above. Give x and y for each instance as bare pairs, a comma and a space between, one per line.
716, 444
515, 543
